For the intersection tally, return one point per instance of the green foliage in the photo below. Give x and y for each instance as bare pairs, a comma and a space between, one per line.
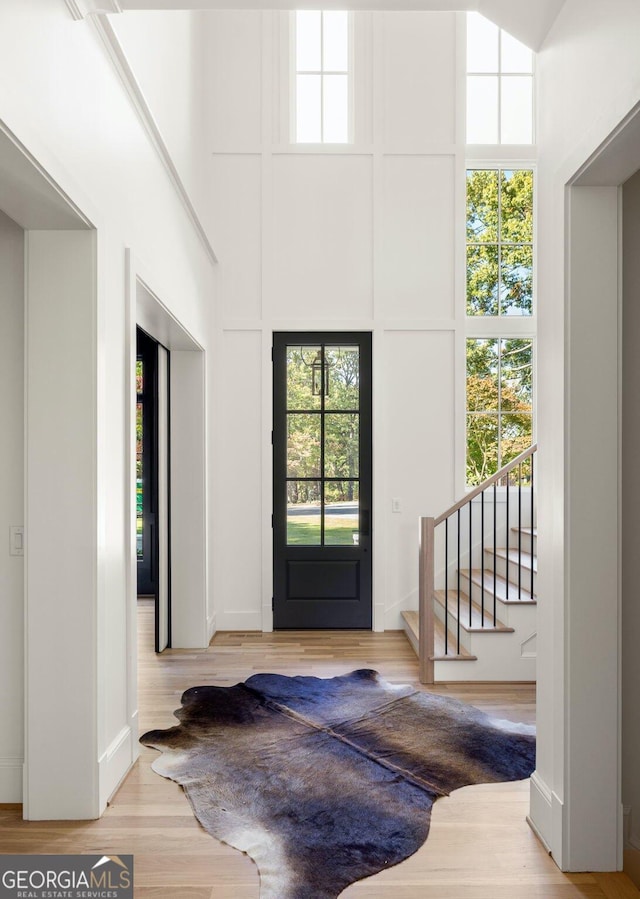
499, 404
499, 242
341, 421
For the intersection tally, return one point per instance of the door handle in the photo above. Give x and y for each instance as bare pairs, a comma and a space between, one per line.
364, 522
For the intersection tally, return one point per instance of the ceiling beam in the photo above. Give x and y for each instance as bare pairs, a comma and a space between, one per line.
527, 20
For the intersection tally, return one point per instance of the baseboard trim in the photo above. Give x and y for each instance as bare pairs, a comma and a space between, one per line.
239, 621
540, 817
114, 764
11, 780
267, 618
211, 626
392, 616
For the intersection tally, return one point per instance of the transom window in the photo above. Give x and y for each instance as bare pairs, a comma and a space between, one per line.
499, 85
322, 76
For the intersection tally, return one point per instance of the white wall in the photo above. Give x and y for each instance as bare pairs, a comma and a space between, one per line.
589, 80
71, 111
631, 509
166, 52
360, 237
61, 521
11, 506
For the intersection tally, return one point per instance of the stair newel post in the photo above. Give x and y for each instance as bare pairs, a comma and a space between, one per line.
426, 588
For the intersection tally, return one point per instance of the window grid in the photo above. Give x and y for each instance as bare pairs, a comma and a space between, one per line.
499, 243
509, 419
499, 413
322, 73
500, 74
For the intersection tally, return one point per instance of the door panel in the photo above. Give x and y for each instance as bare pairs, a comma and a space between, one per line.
322, 480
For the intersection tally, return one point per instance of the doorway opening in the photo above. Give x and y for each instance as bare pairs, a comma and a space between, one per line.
152, 482
322, 467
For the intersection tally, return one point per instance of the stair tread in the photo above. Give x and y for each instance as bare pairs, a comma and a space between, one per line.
501, 586
413, 621
532, 532
514, 555
476, 625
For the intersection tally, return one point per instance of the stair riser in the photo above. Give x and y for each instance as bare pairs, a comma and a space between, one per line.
501, 608
528, 540
501, 568
464, 636
491, 666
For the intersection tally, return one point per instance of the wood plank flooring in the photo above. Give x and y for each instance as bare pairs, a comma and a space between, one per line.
480, 846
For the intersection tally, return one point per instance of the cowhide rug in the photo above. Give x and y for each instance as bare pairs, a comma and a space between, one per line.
323, 782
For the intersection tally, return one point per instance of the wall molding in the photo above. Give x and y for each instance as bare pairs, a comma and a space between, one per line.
541, 811
6, 132
145, 115
239, 621
80, 9
115, 762
11, 779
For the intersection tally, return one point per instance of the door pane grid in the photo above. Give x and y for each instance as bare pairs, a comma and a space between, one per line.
322, 442
322, 480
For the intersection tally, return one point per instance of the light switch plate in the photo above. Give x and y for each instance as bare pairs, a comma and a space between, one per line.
396, 504
16, 540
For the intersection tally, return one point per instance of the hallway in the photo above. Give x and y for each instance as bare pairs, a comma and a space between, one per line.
480, 846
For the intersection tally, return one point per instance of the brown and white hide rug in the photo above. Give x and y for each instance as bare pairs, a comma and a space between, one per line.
325, 781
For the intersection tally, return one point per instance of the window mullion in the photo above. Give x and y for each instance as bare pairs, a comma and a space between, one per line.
500, 86
499, 227
322, 76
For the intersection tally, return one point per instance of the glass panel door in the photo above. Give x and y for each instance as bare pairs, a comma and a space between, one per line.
322, 477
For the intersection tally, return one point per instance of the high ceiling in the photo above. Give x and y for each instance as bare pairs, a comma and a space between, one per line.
528, 20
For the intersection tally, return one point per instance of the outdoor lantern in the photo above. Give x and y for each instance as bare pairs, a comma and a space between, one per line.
319, 376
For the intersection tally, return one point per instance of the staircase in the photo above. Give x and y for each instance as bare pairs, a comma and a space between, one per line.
478, 568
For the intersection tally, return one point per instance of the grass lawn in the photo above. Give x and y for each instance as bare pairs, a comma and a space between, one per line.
301, 532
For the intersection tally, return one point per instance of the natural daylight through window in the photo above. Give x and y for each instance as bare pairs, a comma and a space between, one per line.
321, 77
499, 85
499, 358
499, 241
499, 403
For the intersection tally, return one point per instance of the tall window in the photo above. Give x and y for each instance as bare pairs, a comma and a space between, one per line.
499, 242
322, 77
499, 403
499, 359
499, 85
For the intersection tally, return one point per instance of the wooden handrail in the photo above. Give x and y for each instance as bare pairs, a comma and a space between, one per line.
426, 580
425, 591
488, 483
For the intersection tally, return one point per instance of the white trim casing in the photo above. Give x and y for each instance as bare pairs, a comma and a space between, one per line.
80, 9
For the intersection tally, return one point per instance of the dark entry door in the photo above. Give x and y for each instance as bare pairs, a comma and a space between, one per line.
322, 469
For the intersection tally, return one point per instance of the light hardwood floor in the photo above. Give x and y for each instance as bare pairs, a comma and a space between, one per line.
480, 846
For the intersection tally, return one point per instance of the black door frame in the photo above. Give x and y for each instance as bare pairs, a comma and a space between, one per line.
148, 572
358, 615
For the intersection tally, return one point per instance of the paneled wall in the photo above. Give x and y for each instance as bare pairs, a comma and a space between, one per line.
11, 506
362, 237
